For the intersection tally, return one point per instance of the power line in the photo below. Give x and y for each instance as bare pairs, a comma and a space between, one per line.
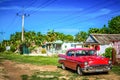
77, 12
45, 4
70, 18
93, 18
11, 23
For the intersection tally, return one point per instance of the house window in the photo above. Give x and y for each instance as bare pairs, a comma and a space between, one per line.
73, 45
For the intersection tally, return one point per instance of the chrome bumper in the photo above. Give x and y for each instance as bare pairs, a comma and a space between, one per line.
100, 68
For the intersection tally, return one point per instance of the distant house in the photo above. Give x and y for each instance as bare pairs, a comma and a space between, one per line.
52, 46
60, 46
66, 46
103, 41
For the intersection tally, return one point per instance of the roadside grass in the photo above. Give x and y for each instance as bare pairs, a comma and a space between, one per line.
40, 60
37, 60
47, 75
116, 69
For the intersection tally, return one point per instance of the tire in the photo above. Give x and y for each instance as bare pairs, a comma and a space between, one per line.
79, 71
63, 66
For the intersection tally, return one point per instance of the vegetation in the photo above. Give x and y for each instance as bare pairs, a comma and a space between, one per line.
43, 51
39, 39
81, 36
108, 52
48, 75
2, 48
116, 69
38, 60
114, 25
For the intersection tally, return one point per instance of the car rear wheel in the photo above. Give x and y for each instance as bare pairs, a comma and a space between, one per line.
63, 66
79, 71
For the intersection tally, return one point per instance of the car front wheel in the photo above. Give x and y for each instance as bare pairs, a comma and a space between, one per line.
79, 71
63, 66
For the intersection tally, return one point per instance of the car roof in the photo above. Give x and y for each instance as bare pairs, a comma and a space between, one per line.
81, 49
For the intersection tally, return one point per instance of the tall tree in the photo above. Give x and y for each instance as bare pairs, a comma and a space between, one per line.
114, 25
69, 38
51, 36
93, 30
81, 36
60, 36
104, 30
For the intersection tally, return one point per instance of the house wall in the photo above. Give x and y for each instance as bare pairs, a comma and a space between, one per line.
66, 46
102, 48
116, 45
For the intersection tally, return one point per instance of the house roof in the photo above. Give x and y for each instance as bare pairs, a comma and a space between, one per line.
103, 38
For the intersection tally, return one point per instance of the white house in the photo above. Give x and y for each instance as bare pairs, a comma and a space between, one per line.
66, 46
104, 41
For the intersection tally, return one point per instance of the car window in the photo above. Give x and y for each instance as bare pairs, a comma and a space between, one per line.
70, 53
91, 52
85, 52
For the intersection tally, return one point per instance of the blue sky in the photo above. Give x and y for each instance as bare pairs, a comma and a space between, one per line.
66, 16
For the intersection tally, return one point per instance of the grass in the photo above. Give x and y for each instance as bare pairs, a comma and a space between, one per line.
116, 69
48, 75
37, 60
40, 60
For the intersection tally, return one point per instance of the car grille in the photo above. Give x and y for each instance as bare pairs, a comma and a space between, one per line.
99, 67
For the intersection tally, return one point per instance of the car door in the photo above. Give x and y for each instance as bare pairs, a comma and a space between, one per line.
70, 61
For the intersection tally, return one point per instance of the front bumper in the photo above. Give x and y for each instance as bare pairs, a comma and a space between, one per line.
97, 68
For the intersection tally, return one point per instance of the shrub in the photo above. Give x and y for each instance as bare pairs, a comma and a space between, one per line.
2, 48
12, 48
43, 51
108, 52
8, 52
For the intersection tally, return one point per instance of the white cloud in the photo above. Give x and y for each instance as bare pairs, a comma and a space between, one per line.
105, 11
52, 9
101, 12
10, 8
39, 9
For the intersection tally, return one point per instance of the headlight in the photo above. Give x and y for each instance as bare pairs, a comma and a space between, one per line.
110, 62
85, 63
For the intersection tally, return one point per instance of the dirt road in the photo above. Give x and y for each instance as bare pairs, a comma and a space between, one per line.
10, 70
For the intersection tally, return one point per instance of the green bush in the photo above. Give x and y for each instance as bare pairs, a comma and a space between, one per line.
108, 52
43, 51
12, 48
8, 52
2, 48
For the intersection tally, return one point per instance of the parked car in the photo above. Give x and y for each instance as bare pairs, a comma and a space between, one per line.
84, 60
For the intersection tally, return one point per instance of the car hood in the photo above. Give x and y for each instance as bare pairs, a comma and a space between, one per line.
93, 60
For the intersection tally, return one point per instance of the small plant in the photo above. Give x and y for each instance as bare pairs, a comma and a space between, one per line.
45, 75
108, 52
116, 69
24, 77
43, 51
12, 48
2, 48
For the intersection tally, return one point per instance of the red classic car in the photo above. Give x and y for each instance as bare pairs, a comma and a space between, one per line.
84, 60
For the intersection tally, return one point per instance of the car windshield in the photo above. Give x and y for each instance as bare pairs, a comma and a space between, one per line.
81, 53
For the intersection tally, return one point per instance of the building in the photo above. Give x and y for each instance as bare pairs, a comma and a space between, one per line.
66, 46
104, 41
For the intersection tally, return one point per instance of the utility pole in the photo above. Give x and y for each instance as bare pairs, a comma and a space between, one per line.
23, 16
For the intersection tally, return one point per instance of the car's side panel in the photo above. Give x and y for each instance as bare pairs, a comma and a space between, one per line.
71, 63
